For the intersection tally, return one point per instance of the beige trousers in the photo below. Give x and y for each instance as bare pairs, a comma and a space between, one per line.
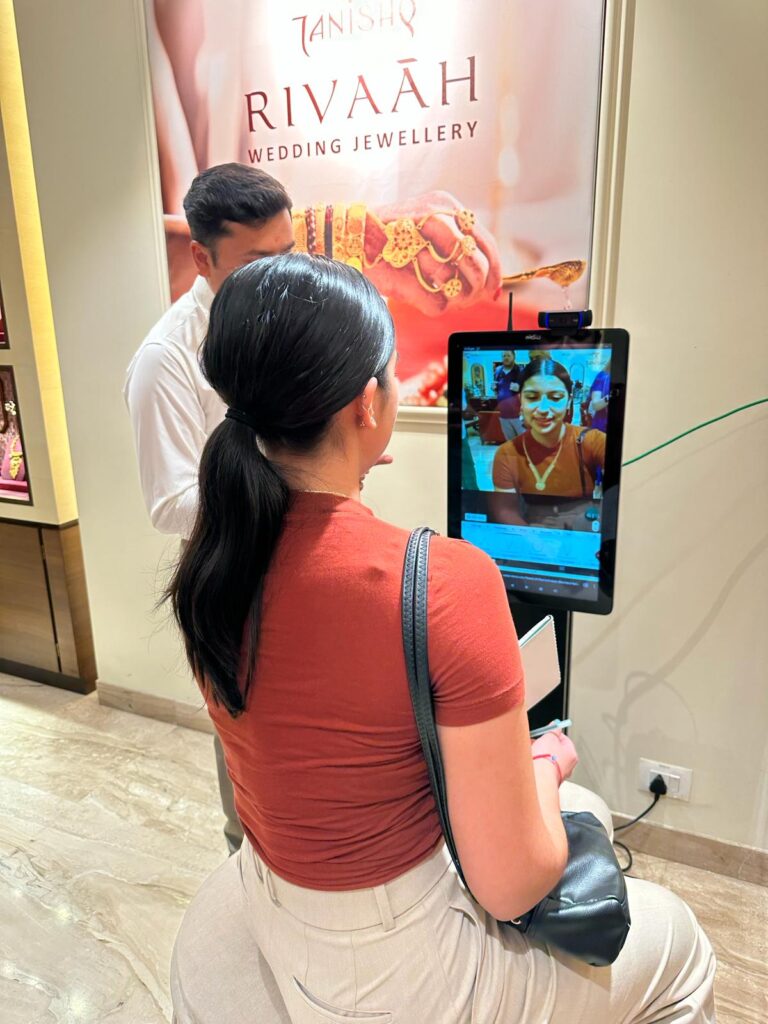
419, 950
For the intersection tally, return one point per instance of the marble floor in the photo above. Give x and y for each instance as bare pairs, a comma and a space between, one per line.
110, 821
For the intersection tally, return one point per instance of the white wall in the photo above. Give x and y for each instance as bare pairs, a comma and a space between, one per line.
678, 671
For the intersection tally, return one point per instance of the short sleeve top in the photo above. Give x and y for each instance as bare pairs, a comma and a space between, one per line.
326, 764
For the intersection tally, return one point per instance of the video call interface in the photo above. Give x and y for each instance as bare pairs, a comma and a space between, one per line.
534, 427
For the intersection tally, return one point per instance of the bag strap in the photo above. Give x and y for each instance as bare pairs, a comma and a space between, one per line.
580, 450
415, 647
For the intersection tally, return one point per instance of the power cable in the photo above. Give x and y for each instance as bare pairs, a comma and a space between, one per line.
692, 430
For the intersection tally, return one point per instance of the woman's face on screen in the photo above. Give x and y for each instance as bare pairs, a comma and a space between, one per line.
543, 404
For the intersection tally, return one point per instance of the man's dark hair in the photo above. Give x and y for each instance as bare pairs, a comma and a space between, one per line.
231, 192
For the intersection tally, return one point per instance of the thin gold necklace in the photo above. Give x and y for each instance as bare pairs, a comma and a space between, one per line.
336, 494
541, 480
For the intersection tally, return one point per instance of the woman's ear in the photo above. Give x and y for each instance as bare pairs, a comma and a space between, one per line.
365, 411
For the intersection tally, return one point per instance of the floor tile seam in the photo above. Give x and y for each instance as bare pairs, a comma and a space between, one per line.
698, 868
49, 832
86, 734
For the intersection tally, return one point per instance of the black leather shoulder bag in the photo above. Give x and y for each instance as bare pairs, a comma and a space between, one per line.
587, 913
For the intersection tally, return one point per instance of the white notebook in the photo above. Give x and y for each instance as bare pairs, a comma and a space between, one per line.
541, 666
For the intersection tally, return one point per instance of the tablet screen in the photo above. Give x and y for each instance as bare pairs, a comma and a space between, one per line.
535, 439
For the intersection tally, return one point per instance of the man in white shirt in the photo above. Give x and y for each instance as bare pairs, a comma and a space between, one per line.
236, 214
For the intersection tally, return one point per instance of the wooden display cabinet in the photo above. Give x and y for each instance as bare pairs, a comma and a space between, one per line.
45, 626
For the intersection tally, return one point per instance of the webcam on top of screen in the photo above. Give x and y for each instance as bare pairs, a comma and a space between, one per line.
576, 318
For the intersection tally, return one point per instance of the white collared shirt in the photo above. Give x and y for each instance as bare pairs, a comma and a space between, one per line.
173, 410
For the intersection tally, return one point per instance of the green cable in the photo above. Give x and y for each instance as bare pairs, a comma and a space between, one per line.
692, 430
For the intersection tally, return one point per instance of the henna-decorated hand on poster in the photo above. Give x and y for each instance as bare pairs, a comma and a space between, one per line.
453, 260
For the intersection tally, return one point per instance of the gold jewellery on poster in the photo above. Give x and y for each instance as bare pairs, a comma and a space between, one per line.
338, 230
405, 242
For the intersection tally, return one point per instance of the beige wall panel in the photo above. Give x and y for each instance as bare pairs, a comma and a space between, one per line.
678, 672
69, 601
26, 627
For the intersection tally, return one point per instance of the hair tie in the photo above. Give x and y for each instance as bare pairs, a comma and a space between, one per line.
244, 418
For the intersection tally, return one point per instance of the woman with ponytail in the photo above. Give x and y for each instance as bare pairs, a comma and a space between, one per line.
281, 401
342, 904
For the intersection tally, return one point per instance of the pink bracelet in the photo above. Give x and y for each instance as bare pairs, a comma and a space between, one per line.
553, 759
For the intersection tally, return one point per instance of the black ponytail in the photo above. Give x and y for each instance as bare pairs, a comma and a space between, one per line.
291, 341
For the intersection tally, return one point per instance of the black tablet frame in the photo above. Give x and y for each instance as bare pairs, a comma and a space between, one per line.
618, 341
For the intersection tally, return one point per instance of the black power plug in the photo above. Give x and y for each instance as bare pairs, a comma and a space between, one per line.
658, 786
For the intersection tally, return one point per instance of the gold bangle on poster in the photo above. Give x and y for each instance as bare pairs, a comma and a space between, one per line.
339, 229
300, 230
368, 263
309, 216
354, 242
320, 228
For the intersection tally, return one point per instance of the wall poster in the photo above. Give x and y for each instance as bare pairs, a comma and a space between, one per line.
465, 131
14, 484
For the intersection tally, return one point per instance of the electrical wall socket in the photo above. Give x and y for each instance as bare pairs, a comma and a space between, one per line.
678, 779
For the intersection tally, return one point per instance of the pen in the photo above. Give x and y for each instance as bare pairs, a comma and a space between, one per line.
557, 724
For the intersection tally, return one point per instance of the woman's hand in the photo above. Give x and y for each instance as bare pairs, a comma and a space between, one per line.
557, 744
